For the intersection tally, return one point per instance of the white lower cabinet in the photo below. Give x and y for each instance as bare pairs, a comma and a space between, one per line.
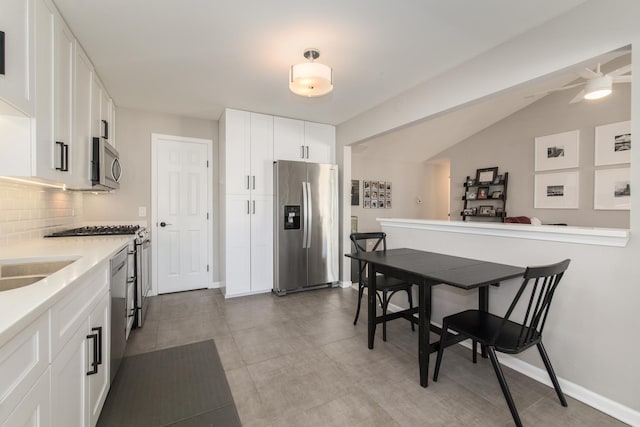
35, 409
248, 245
80, 372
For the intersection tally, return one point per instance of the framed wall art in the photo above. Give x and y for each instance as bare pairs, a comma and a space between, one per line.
612, 189
355, 192
556, 191
613, 144
558, 151
376, 194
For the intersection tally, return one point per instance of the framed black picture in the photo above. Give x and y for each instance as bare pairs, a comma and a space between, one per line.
355, 192
486, 175
485, 210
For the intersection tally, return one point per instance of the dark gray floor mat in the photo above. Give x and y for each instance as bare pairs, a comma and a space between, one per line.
171, 386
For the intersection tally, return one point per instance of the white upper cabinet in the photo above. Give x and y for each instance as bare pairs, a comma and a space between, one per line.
303, 141
288, 139
320, 141
56, 104
82, 135
18, 80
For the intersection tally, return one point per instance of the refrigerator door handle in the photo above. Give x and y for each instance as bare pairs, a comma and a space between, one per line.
305, 209
309, 215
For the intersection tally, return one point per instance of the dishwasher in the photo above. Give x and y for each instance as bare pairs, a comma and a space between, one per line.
118, 287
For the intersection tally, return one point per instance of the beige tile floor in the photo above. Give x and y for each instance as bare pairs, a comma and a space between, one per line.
298, 360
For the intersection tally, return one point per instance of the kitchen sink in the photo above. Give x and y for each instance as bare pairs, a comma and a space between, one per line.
19, 274
7, 283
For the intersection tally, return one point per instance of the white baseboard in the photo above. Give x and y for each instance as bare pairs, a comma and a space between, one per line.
215, 285
346, 284
586, 396
244, 294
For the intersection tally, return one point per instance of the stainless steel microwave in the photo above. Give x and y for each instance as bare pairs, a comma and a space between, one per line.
105, 166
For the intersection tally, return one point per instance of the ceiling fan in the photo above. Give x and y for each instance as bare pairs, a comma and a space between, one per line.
597, 84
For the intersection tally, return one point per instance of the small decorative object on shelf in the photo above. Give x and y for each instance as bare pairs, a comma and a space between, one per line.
487, 186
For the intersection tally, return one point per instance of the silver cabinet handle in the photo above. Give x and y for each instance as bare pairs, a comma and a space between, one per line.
248, 208
248, 182
254, 206
254, 182
302, 151
307, 148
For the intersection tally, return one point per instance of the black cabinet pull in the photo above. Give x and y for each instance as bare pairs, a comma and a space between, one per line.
94, 363
105, 129
64, 157
99, 331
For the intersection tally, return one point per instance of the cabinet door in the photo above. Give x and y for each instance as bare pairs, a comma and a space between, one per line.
81, 155
96, 104
99, 382
68, 382
320, 141
45, 145
35, 408
238, 245
105, 114
261, 154
237, 152
17, 84
288, 139
262, 243
63, 55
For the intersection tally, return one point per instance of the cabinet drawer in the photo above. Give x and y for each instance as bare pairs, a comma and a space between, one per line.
22, 361
69, 313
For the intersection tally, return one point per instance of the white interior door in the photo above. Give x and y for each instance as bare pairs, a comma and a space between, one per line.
181, 213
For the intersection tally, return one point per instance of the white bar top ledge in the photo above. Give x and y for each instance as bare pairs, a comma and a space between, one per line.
618, 237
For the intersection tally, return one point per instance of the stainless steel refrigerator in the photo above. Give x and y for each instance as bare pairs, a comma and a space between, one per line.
306, 226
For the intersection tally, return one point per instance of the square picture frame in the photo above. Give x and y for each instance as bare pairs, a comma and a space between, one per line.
471, 195
612, 189
485, 210
613, 144
486, 175
483, 193
557, 151
556, 190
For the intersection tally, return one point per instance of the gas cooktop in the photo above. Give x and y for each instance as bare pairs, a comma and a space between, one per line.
97, 230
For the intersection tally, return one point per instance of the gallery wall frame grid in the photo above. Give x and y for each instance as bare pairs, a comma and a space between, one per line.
377, 194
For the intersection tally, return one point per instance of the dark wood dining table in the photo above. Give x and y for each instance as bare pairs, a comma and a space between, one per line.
427, 269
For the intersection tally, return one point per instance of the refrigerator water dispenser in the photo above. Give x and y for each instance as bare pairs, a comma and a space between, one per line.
292, 217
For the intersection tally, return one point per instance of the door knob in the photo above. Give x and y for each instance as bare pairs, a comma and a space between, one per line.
164, 224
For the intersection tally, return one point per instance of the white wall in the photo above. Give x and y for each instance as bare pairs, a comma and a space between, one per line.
133, 142
407, 182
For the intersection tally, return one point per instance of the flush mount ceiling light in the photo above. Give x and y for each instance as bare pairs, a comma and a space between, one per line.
311, 78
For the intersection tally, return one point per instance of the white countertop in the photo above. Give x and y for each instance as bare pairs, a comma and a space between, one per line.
19, 307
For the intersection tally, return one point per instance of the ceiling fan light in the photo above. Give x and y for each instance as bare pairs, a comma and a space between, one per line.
598, 88
310, 79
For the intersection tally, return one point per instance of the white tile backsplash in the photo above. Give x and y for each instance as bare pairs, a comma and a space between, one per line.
29, 211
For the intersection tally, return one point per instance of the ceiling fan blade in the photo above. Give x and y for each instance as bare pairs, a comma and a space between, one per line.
587, 73
560, 89
620, 71
622, 79
579, 97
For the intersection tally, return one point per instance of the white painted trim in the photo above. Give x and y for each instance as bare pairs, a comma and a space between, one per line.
154, 202
617, 237
586, 396
215, 285
244, 294
346, 284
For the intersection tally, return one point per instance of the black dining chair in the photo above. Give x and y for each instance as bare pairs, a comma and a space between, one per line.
386, 287
510, 336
